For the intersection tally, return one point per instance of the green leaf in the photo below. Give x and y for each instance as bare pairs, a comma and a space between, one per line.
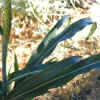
92, 30
1, 30
45, 49
62, 72
16, 67
1, 90
50, 36
38, 69
63, 79
46, 74
39, 76
5, 40
50, 41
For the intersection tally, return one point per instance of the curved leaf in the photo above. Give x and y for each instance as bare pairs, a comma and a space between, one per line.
49, 43
36, 79
41, 76
51, 34
41, 68
60, 74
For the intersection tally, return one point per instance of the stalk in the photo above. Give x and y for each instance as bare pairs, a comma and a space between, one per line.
5, 40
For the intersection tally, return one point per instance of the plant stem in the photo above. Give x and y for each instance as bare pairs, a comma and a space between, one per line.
5, 40
4, 79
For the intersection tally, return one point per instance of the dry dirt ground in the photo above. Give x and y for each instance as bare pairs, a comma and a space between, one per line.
83, 87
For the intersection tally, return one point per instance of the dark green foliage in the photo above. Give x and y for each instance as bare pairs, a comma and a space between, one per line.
93, 29
1, 30
36, 78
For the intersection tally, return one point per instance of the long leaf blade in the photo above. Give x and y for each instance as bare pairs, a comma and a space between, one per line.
61, 73
48, 44
51, 34
38, 69
5, 40
70, 61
